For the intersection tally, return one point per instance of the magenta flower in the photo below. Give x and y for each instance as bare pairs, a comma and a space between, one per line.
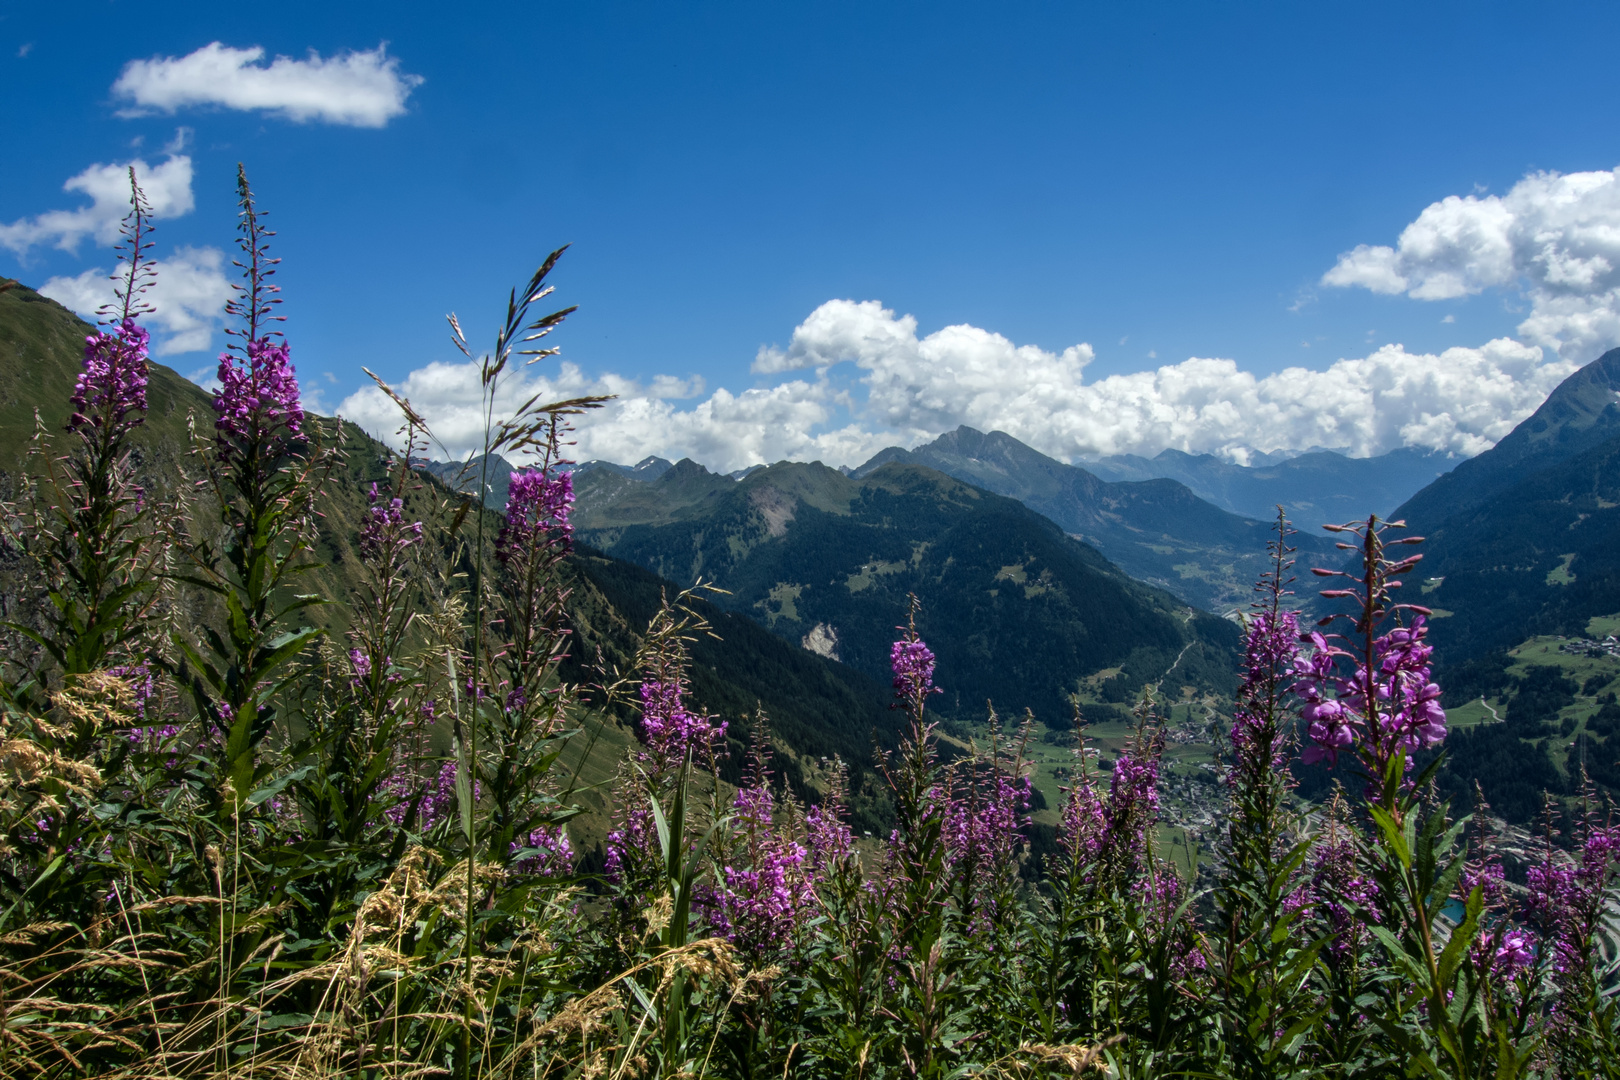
385, 526
258, 405
984, 825
433, 802
538, 504
1111, 836
112, 385
632, 848
548, 852
669, 729
142, 683
1566, 897
1515, 953
913, 665
829, 838
1343, 897
1405, 712
1270, 654
762, 895
1084, 830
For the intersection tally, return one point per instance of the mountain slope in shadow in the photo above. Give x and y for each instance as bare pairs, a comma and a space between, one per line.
1154, 530
1017, 611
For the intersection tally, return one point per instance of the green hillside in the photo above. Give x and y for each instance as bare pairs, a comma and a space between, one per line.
1541, 557
1018, 612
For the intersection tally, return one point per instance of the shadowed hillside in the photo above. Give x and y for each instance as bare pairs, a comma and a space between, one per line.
1017, 611
1155, 530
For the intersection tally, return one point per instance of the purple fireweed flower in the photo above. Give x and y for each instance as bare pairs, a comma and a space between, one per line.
1110, 836
827, 833
1271, 651
142, 684
547, 852
762, 904
1085, 824
433, 800
913, 665
669, 729
1515, 953
538, 504
984, 823
632, 848
1405, 712
385, 526
257, 404
763, 895
1566, 896
362, 666
110, 393
829, 838
1343, 897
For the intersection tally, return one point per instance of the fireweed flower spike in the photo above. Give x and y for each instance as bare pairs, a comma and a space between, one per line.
828, 836
764, 893
1386, 704
87, 526
258, 404
537, 508
110, 394
670, 729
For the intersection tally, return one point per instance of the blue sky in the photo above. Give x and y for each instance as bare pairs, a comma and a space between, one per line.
1159, 182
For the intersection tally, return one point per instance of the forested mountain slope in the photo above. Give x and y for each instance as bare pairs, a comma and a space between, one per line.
1017, 611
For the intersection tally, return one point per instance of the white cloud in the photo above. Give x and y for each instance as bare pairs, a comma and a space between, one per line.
167, 188
189, 297
357, 89
1461, 400
1556, 237
725, 431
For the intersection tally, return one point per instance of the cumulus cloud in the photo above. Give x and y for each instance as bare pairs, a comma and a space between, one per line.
356, 89
724, 431
1556, 237
1460, 401
188, 297
167, 188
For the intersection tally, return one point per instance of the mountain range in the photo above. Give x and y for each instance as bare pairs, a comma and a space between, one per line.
1315, 487
1156, 530
1018, 612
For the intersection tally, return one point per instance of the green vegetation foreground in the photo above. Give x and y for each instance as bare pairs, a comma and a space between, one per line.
237, 845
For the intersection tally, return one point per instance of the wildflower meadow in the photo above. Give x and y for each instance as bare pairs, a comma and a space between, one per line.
251, 830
